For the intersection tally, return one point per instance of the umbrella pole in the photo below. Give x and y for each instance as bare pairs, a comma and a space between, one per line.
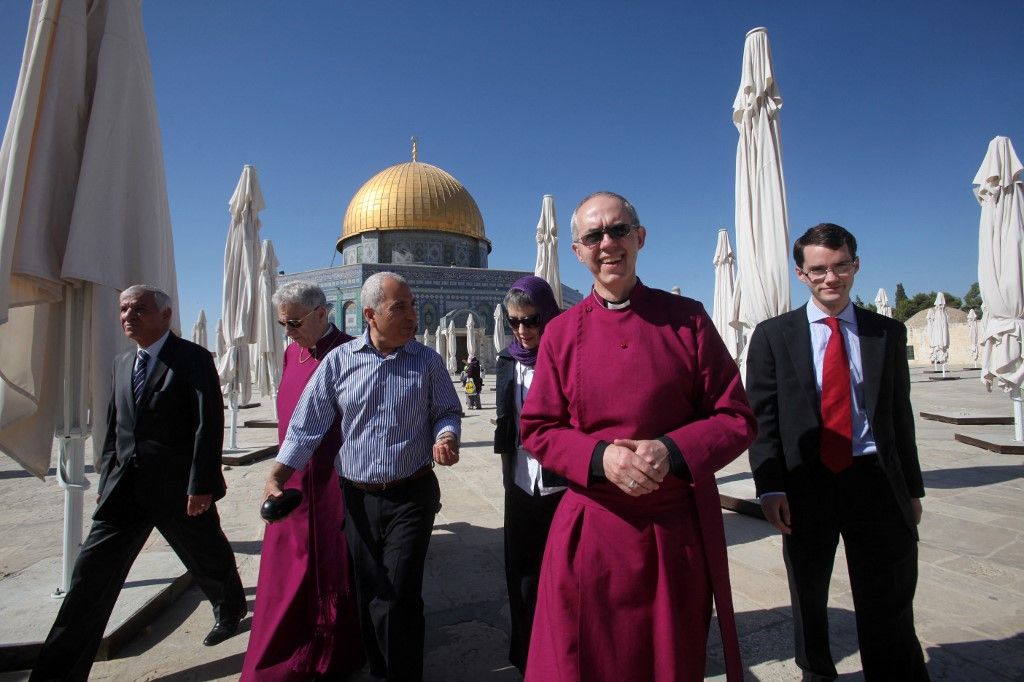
72, 427
233, 431
1018, 414
71, 477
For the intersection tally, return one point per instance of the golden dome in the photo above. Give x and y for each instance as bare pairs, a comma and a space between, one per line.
413, 196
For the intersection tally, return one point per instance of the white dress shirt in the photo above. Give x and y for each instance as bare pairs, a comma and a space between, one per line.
527, 473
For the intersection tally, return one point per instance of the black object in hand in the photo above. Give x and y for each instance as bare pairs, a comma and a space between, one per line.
276, 508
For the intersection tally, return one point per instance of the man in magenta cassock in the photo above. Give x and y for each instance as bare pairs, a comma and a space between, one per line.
637, 402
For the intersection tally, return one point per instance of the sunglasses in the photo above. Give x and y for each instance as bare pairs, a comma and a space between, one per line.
594, 237
297, 324
530, 322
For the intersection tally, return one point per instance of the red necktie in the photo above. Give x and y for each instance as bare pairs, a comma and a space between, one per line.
836, 403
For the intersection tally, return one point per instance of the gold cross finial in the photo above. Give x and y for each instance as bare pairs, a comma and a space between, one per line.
415, 142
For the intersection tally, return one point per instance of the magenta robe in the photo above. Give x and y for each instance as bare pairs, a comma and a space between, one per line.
626, 584
304, 620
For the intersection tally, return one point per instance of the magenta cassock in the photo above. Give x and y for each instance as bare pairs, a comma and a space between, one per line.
627, 583
304, 620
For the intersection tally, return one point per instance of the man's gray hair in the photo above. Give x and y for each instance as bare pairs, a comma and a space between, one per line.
305, 294
372, 292
163, 301
604, 193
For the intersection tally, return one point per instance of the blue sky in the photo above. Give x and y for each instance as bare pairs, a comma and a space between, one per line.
888, 109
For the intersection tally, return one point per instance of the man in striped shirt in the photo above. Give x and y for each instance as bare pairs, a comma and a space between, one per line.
399, 415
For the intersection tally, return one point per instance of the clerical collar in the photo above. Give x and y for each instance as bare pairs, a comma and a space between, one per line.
614, 305
325, 342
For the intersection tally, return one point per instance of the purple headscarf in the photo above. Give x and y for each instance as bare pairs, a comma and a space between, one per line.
539, 292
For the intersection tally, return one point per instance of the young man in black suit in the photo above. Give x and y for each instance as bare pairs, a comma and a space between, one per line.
836, 456
160, 468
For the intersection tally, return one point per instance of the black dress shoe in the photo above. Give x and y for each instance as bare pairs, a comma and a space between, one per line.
221, 631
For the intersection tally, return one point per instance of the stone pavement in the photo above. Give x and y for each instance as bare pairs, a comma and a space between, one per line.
970, 602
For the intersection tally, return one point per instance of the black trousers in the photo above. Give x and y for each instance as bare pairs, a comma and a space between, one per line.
527, 522
881, 555
103, 564
388, 534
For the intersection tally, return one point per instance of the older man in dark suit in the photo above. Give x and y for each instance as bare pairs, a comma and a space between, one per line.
836, 456
160, 468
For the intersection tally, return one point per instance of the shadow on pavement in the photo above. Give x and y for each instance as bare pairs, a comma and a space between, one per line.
214, 670
1002, 659
741, 529
971, 477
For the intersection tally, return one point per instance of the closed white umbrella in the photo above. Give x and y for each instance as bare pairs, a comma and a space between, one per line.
199, 330
450, 346
83, 215
439, 340
725, 285
547, 248
762, 222
470, 336
427, 340
500, 340
882, 303
222, 344
929, 328
238, 311
940, 332
1001, 271
972, 336
269, 344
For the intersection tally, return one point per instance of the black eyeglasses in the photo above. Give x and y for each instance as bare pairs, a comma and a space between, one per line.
530, 322
296, 324
594, 237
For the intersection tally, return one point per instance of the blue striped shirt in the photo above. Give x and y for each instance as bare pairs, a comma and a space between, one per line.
392, 411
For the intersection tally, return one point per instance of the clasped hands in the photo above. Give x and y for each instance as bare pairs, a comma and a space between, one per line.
637, 467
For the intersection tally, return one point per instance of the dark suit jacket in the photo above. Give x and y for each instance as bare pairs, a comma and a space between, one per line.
783, 394
176, 432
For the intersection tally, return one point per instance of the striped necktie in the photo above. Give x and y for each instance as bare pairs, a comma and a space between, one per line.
139, 373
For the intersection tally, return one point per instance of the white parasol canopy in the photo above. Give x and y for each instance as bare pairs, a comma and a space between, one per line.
199, 330
238, 312
500, 340
470, 337
222, 344
83, 215
450, 360
972, 336
439, 341
269, 344
882, 306
938, 337
725, 284
547, 248
929, 328
1001, 271
762, 222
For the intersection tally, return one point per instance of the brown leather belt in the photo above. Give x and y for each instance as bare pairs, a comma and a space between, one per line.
381, 487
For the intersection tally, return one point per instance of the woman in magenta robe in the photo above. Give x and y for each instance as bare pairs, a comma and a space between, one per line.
636, 401
304, 623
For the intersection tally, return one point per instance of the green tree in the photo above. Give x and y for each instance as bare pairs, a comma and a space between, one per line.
972, 299
901, 293
859, 302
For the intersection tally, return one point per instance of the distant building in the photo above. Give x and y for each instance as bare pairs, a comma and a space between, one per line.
419, 221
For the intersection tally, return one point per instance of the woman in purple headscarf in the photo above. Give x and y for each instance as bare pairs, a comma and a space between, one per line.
531, 493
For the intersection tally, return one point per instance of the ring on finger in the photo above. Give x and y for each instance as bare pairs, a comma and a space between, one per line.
632, 483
